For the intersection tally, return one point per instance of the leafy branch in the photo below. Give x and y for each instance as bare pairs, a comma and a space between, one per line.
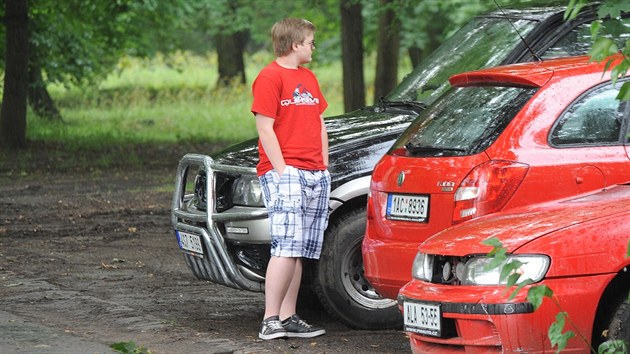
607, 26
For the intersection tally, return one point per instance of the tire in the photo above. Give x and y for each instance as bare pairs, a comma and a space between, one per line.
619, 326
339, 281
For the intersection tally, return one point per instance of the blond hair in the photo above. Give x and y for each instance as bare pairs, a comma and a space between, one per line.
288, 31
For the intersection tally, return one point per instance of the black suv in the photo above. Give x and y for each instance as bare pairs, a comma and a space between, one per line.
220, 220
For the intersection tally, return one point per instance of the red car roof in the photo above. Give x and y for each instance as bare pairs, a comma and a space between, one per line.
533, 74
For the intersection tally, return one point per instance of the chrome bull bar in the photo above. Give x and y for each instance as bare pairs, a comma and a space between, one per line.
216, 265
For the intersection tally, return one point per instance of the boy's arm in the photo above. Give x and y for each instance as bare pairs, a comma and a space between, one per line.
269, 141
324, 141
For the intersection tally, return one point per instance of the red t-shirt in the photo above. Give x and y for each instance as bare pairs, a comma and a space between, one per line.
293, 98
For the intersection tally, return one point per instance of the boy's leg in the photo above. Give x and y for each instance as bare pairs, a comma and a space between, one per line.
283, 197
289, 303
280, 273
316, 191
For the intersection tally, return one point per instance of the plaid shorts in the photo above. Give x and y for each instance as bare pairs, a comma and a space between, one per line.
297, 203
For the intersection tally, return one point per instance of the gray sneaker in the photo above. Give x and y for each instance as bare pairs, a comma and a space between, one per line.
298, 328
271, 328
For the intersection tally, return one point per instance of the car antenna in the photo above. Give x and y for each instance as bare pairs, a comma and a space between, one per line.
531, 51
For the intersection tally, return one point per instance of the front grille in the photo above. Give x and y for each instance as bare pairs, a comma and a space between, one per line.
448, 270
254, 257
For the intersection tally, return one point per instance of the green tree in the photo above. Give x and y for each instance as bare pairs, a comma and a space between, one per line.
227, 25
73, 41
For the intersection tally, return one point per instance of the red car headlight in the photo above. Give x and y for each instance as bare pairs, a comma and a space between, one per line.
478, 272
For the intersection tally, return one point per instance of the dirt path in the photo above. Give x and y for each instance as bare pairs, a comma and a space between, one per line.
88, 259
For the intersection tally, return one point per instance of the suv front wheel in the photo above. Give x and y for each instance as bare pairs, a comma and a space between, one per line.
340, 283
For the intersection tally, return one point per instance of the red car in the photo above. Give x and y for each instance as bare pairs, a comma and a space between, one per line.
575, 246
500, 138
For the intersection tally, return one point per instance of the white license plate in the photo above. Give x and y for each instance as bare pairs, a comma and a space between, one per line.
189, 242
407, 207
422, 318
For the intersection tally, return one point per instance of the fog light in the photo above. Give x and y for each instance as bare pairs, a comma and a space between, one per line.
237, 230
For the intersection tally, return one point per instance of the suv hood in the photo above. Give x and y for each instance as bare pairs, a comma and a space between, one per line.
356, 141
523, 225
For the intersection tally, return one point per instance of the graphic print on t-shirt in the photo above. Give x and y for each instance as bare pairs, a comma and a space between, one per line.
301, 96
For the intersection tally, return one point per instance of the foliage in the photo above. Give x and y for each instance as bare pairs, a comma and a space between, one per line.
413, 16
81, 40
129, 348
536, 294
613, 347
556, 336
609, 14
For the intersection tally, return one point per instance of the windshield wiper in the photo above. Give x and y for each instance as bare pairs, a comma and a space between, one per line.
416, 149
413, 105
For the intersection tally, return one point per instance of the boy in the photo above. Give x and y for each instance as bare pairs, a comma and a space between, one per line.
293, 149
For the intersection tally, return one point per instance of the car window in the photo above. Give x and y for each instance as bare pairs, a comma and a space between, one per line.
483, 42
466, 120
594, 119
579, 40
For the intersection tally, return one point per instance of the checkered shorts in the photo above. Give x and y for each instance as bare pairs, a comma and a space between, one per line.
297, 203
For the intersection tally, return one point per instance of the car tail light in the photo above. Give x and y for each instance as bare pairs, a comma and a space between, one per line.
487, 188
370, 206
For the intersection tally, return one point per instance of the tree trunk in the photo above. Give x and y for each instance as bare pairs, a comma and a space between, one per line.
38, 96
387, 53
352, 55
415, 54
13, 111
230, 48
435, 38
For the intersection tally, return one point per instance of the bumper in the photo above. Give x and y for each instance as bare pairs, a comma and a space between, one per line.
484, 321
388, 264
216, 230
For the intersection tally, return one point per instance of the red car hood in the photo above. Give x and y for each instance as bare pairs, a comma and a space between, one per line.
516, 227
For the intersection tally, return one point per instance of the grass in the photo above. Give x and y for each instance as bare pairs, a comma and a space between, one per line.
129, 348
164, 100
168, 102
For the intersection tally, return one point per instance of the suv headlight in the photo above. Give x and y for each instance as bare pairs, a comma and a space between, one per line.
532, 267
246, 191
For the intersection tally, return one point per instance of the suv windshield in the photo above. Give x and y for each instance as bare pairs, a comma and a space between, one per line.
483, 42
464, 121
